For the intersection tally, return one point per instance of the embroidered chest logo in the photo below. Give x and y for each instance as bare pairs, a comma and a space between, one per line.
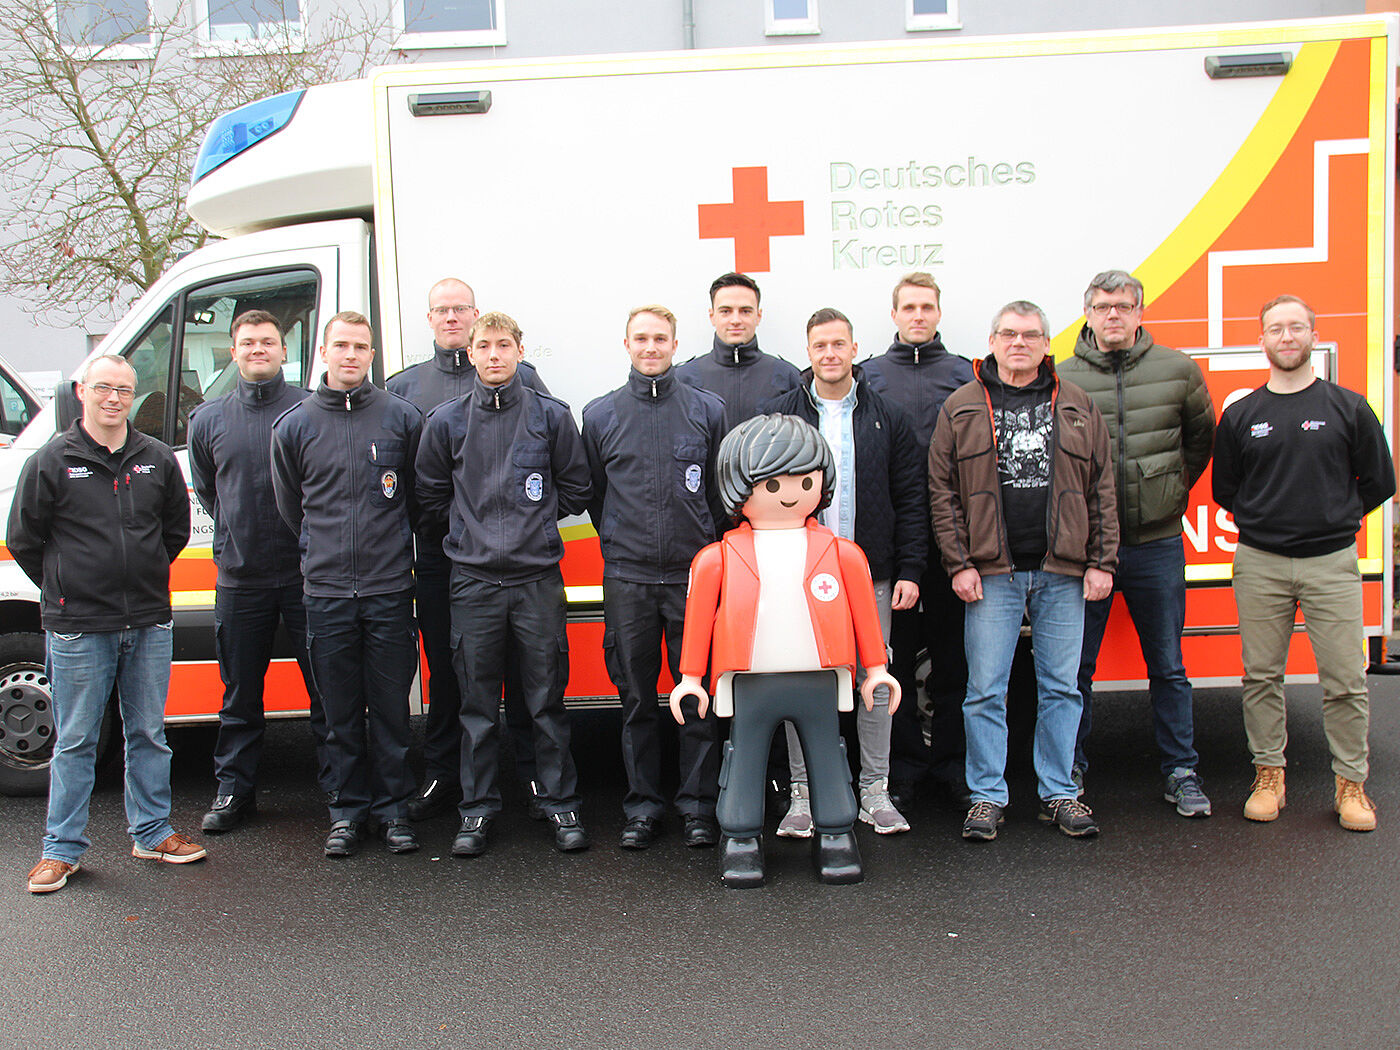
389, 484
79, 472
824, 587
1261, 430
692, 477
534, 487
1313, 424
143, 468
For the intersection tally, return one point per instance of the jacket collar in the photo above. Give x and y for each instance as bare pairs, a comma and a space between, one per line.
496, 398
345, 400
79, 442
453, 362
260, 392
986, 372
916, 354
739, 356
1086, 347
651, 388
740, 539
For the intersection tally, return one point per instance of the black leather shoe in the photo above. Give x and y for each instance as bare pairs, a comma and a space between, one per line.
569, 834
639, 833
399, 836
344, 839
434, 797
741, 862
227, 812
837, 858
701, 832
471, 837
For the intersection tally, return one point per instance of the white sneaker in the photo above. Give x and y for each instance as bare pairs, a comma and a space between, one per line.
797, 824
877, 809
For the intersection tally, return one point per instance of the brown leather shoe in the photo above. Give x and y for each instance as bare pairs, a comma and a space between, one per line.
1266, 796
175, 850
49, 875
1355, 811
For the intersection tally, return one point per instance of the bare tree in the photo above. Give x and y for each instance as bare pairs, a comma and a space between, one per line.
102, 126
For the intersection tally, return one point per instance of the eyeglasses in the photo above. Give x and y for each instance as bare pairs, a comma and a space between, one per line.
106, 390
455, 311
1104, 309
1297, 328
1009, 335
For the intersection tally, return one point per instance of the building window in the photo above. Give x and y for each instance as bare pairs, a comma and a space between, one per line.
449, 23
276, 22
121, 24
790, 17
931, 14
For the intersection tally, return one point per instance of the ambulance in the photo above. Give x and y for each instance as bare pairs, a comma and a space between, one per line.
1222, 165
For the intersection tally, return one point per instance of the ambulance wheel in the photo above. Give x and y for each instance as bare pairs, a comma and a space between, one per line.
26, 716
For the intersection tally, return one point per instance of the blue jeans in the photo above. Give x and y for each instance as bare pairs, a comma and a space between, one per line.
992, 627
1152, 578
83, 668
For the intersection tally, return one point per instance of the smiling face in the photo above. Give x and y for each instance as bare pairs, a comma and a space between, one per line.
107, 396
832, 352
1288, 336
784, 502
650, 343
258, 351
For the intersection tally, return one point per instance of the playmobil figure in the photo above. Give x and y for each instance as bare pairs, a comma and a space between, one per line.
778, 611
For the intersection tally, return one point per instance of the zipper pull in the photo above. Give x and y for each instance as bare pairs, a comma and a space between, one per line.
496, 394
456, 358
347, 401
736, 355
653, 388
916, 355
114, 486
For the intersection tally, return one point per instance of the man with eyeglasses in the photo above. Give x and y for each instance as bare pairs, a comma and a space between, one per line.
1021, 496
259, 581
99, 513
1299, 462
1160, 428
446, 375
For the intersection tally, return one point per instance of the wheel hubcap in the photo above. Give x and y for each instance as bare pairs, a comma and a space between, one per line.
26, 716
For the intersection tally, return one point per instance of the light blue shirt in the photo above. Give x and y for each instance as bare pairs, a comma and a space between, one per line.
838, 428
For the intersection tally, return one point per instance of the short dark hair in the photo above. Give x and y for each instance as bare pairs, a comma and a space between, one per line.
1280, 300
768, 447
735, 280
255, 317
826, 315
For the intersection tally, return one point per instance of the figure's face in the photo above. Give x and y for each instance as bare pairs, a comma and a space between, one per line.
495, 354
784, 502
735, 314
258, 351
1114, 317
917, 315
451, 313
650, 343
1288, 337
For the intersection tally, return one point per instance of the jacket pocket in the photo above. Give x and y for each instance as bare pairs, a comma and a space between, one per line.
386, 459
1162, 490
688, 457
531, 473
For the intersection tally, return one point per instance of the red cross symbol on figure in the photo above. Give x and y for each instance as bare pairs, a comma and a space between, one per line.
751, 220
824, 588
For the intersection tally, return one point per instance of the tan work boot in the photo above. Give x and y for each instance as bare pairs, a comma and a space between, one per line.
1355, 811
1266, 796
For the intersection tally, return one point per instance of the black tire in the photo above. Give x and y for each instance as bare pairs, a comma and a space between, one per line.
26, 717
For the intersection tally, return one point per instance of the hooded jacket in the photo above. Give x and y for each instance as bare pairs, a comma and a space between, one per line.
1161, 426
342, 473
231, 473
742, 376
965, 486
96, 531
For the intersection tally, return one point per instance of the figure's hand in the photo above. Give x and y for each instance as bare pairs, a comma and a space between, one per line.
1097, 584
967, 585
874, 678
689, 685
905, 595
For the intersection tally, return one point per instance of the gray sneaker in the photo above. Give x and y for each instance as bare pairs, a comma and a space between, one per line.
877, 809
797, 823
1070, 815
982, 820
1184, 790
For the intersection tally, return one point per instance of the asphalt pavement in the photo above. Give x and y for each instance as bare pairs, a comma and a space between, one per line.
1162, 932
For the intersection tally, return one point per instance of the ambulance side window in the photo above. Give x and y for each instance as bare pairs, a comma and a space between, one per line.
150, 356
15, 410
207, 368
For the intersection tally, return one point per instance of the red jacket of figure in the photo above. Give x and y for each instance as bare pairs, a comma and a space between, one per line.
722, 604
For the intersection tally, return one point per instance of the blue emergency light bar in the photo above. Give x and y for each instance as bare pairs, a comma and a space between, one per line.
243, 127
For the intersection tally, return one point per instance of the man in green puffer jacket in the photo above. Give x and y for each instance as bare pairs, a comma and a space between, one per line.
1161, 425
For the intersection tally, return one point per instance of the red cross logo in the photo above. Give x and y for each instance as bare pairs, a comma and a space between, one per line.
824, 587
751, 220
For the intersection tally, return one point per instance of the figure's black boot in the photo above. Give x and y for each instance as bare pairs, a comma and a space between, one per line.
837, 858
741, 862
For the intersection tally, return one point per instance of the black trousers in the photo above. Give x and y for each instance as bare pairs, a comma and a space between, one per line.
486, 619
442, 737
937, 625
364, 653
636, 617
245, 638
762, 702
